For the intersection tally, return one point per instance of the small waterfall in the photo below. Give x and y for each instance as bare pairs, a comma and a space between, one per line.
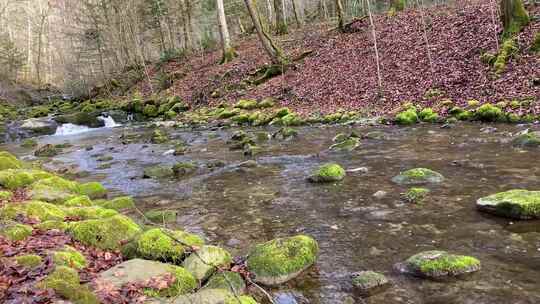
70, 129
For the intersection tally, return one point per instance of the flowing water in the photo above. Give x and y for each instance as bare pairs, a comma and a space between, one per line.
237, 206
72, 129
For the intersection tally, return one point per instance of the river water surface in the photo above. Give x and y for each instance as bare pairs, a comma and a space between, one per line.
237, 206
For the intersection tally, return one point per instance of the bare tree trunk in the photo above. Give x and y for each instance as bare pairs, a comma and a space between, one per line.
270, 14
275, 53
373, 33
281, 24
340, 15
514, 16
297, 17
228, 51
323, 10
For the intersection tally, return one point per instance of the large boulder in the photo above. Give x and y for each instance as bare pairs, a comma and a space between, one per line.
436, 264
140, 271
205, 261
108, 233
90, 120
165, 245
418, 176
39, 126
280, 260
516, 204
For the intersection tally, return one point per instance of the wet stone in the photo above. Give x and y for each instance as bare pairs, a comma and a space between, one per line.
368, 283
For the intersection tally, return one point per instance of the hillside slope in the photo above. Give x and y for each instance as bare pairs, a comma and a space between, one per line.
342, 71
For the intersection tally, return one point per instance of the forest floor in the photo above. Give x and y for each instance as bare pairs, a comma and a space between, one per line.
341, 72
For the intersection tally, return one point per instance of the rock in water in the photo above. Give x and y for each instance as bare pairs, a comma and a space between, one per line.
227, 280
327, 173
528, 139
418, 176
212, 296
516, 204
206, 260
138, 270
39, 126
368, 283
438, 264
280, 260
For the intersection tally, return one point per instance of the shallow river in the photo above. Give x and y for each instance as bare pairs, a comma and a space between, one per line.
237, 206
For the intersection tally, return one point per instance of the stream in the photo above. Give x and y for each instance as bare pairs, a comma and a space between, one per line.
237, 206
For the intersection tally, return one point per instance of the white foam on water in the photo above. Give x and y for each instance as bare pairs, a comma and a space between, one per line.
70, 129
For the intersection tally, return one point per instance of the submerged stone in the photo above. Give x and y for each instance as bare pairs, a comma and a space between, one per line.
517, 204
205, 261
158, 172
418, 176
328, 173
348, 144
280, 260
438, 264
528, 139
138, 270
161, 216
368, 283
416, 195
166, 245
108, 233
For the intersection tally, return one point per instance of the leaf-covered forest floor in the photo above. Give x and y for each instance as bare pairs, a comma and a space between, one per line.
341, 73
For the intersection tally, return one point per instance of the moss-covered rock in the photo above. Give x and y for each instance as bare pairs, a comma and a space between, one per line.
166, 245
282, 112
5, 195
407, 117
93, 190
416, 195
489, 113
54, 189
428, 115
118, 203
65, 282
8, 161
368, 283
151, 110
291, 119
228, 280
19, 178
246, 104
159, 171
137, 270
267, 103
161, 216
183, 169
15, 231
285, 133
29, 143
205, 261
348, 144
159, 137
328, 173
213, 296
280, 260
52, 225
87, 213
69, 257
437, 264
40, 210
508, 49
78, 201
517, 204
527, 139
107, 233
418, 176
29, 260
47, 150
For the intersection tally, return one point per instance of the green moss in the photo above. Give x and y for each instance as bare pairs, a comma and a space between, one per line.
19, 178
50, 225
206, 261
332, 118
166, 245
8, 161
275, 261
228, 114
92, 212
93, 190
509, 48
40, 210
159, 171
29, 260
5, 195
416, 195
151, 110
489, 113
246, 104
159, 137
529, 139
418, 176
440, 263
17, 232
282, 112
518, 19
407, 117
54, 189
108, 233
520, 204
78, 201
464, 115
69, 257
428, 115
29, 143
119, 203
241, 118
161, 216
349, 144
240, 300
330, 172
47, 150
285, 133
535, 46
65, 282
291, 119
267, 103
184, 283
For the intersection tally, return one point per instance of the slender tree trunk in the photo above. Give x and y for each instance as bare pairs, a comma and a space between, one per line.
270, 13
275, 53
297, 17
228, 51
514, 16
281, 24
340, 15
